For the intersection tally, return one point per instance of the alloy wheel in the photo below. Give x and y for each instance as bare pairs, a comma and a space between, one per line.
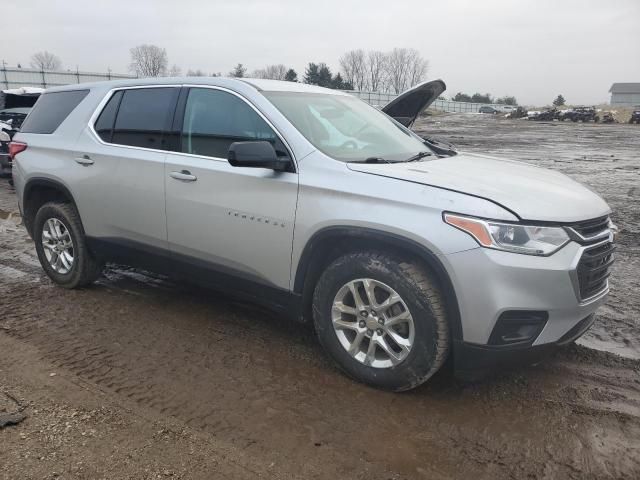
373, 323
58, 246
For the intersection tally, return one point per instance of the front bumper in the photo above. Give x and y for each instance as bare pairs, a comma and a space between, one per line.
473, 358
489, 283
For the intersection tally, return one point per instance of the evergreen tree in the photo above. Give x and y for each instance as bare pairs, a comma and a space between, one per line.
325, 78
311, 75
559, 101
291, 75
238, 71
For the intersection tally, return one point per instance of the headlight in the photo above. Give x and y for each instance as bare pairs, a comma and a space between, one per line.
511, 237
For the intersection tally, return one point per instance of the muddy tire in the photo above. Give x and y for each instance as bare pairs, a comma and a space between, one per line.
406, 352
62, 248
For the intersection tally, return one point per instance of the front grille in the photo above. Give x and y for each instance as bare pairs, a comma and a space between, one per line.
591, 229
594, 269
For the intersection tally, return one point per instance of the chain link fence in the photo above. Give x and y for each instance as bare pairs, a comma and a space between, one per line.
27, 77
379, 99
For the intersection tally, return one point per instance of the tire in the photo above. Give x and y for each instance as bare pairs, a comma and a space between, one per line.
84, 268
419, 294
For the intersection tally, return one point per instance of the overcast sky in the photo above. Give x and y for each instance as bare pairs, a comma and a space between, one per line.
533, 49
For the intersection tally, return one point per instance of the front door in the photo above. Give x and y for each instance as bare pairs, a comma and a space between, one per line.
229, 220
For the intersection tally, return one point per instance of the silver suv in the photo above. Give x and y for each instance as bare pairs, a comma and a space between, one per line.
401, 251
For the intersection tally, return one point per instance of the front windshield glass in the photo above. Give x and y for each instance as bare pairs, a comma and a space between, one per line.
346, 128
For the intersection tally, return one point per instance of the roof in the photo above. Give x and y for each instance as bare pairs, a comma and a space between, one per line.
257, 83
625, 88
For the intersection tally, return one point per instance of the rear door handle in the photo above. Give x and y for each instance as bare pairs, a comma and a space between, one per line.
184, 175
84, 160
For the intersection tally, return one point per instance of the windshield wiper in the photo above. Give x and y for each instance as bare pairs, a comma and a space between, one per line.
384, 160
418, 156
374, 160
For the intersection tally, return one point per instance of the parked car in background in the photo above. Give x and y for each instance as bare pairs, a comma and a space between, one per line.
323, 208
505, 108
543, 116
487, 109
580, 114
15, 104
635, 115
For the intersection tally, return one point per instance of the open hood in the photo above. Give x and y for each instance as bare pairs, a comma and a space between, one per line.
406, 107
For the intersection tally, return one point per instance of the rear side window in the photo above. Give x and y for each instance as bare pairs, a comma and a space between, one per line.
51, 109
144, 117
106, 120
214, 119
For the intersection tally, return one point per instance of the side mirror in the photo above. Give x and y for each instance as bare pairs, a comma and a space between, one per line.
259, 154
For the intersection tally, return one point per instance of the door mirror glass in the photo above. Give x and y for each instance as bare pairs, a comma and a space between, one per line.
258, 154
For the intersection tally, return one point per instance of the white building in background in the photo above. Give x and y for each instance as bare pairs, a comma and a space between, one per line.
625, 94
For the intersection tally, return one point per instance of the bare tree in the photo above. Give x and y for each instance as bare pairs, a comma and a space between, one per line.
196, 73
354, 68
274, 72
376, 69
405, 68
175, 71
46, 61
418, 68
148, 61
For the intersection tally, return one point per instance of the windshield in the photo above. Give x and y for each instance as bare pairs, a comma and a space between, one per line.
346, 128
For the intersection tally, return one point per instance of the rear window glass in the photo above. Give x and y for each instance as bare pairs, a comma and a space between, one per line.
51, 109
144, 116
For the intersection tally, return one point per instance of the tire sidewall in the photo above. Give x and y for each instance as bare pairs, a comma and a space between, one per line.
54, 210
418, 365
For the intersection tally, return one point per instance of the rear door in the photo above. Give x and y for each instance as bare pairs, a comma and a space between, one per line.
122, 153
230, 220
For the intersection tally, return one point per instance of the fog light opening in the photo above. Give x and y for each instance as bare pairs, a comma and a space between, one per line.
518, 327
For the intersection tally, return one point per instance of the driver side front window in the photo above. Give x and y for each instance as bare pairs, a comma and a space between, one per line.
214, 119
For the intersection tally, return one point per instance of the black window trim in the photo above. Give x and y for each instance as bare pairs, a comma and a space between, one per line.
178, 115
103, 103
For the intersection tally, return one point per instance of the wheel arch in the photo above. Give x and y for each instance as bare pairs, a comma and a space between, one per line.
329, 243
37, 192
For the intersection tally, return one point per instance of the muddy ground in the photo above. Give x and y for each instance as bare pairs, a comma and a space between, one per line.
140, 377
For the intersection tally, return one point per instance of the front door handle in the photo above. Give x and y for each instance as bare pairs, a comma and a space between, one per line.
84, 160
184, 175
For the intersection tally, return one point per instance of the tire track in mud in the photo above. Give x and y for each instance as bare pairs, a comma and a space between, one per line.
257, 385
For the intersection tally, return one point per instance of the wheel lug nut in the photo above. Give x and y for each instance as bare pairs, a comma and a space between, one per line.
362, 324
381, 321
369, 332
380, 332
374, 313
364, 313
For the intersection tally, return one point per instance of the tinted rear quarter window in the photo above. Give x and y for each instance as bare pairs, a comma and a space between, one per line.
51, 109
144, 117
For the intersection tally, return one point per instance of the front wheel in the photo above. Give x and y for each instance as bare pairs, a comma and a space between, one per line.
62, 248
382, 320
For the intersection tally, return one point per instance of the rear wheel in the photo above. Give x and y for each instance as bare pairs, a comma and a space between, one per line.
61, 246
382, 320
